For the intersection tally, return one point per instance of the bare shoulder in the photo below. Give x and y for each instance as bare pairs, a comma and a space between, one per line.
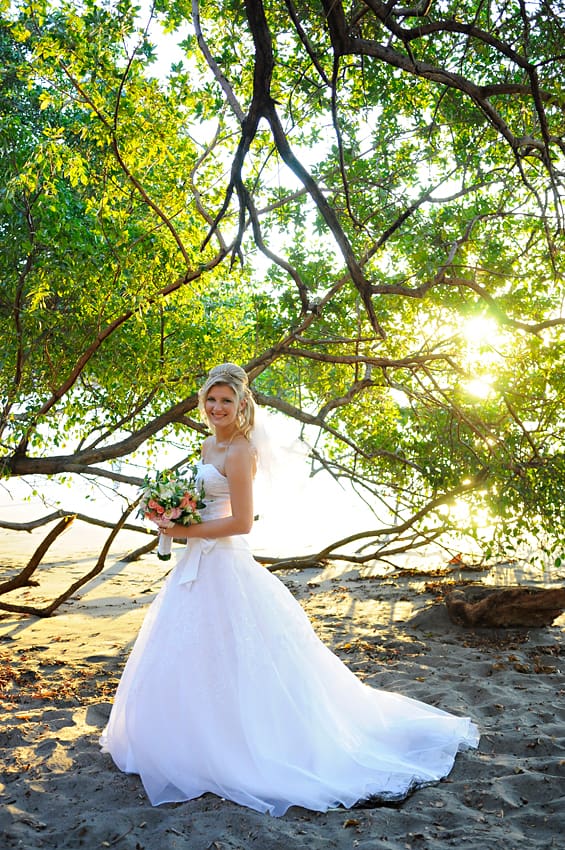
206, 444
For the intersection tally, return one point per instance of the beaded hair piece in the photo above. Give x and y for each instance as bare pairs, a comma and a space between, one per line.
221, 374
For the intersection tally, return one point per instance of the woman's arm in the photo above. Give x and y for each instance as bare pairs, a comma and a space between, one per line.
239, 467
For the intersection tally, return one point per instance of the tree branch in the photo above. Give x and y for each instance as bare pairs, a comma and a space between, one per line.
23, 578
213, 65
47, 610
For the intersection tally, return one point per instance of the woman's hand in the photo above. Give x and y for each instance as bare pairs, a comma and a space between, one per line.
166, 527
170, 528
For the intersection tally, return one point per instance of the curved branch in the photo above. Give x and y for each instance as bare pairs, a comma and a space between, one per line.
419, 11
339, 139
500, 315
20, 464
78, 368
263, 106
45, 520
432, 505
120, 423
23, 578
310, 419
282, 263
47, 610
306, 41
381, 362
354, 390
329, 215
344, 43
125, 168
208, 218
213, 65
437, 75
262, 75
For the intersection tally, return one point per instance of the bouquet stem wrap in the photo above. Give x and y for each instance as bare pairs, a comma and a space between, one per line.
164, 547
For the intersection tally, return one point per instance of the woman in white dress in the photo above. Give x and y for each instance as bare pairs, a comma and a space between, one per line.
228, 689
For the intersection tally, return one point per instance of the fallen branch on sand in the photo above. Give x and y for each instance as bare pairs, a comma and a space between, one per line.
507, 607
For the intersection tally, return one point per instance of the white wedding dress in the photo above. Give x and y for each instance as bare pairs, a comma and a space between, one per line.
228, 690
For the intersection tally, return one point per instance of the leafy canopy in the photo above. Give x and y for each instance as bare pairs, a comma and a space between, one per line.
363, 205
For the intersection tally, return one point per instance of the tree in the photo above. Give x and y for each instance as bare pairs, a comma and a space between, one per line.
400, 171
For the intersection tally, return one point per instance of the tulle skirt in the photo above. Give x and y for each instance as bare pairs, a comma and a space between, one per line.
228, 690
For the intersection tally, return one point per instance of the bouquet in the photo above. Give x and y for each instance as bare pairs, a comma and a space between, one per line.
172, 497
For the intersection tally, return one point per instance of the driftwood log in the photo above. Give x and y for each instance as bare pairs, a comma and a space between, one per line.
505, 607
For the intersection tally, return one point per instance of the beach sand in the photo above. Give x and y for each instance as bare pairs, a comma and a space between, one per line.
58, 676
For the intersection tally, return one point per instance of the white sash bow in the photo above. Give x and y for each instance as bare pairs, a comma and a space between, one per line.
190, 562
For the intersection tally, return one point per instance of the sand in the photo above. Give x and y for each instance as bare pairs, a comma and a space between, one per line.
58, 676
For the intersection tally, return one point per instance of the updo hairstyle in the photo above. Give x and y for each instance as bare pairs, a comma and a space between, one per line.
234, 377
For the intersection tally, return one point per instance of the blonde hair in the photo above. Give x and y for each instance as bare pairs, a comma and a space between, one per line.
234, 377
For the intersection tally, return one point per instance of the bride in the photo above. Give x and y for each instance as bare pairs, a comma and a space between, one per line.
228, 689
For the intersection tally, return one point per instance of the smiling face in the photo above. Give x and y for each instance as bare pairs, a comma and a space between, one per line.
222, 407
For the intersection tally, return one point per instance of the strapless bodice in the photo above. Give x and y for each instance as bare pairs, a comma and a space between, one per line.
216, 491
